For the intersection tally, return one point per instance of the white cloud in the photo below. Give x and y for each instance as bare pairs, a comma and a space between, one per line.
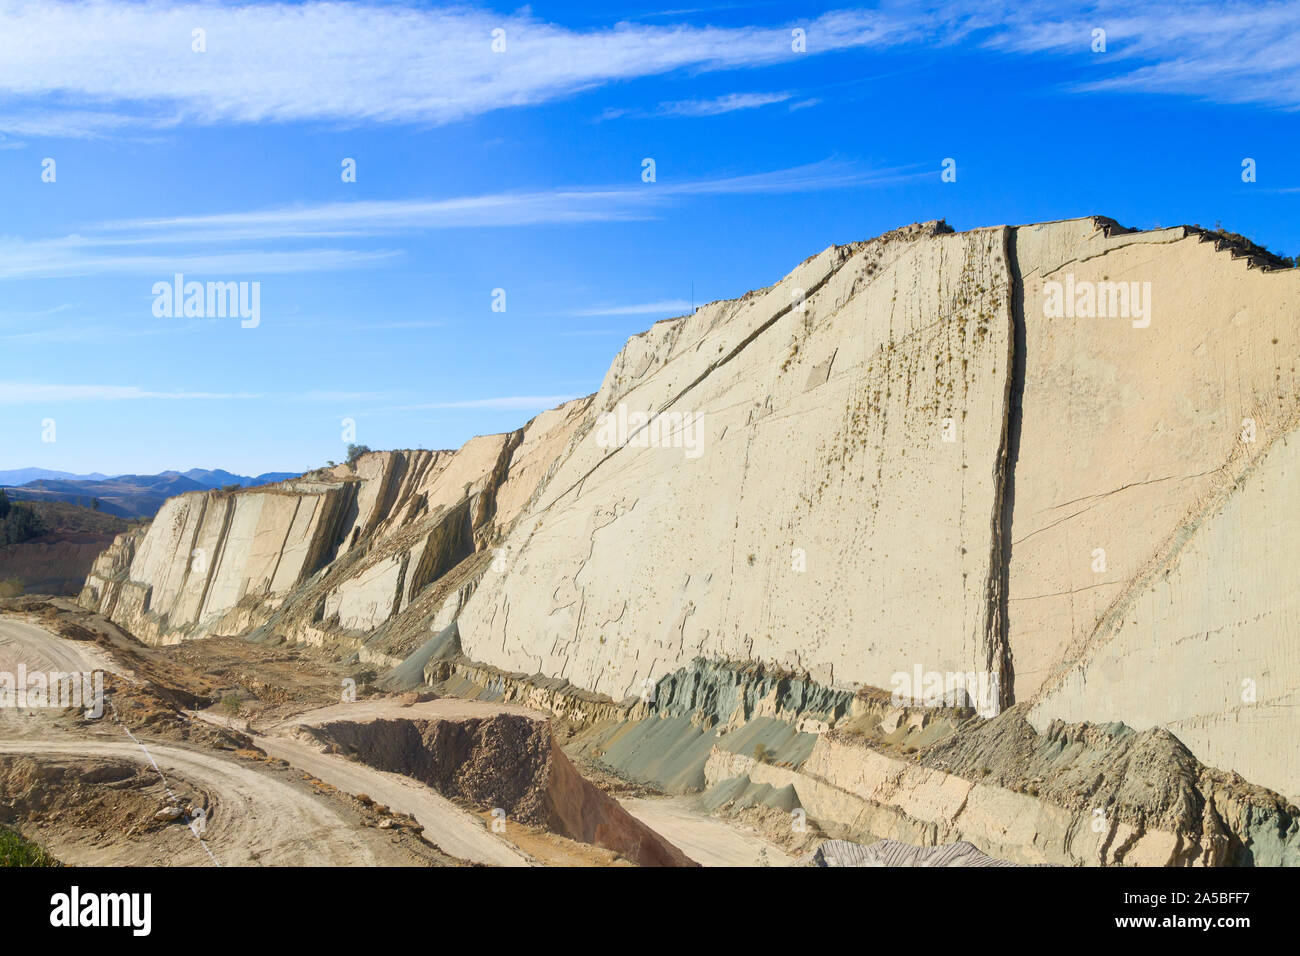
20, 393
559, 205
354, 62
728, 103
110, 248
78, 256
1231, 52
104, 66
666, 307
722, 104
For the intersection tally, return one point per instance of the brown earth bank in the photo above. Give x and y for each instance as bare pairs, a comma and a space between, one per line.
51, 564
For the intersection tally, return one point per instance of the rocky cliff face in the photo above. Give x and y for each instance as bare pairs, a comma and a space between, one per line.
334, 556
1056, 459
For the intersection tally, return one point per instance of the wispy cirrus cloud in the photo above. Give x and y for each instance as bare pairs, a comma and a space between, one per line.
713, 106
663, 307
362, 62
558, 205
84, 256
1235, 52
27, 393
31, 393
150, 246
103, 67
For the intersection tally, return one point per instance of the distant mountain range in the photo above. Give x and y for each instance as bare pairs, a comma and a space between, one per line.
127, 496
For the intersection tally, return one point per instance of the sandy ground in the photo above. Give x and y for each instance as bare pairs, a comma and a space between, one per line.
455, 831
26, 643
705, 839
255, 816
255, 819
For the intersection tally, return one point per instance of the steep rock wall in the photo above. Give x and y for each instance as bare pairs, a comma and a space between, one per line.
826, 525
894, 459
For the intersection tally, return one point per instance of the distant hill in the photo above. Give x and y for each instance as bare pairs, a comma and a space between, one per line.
21, 476
217, 478
128, 496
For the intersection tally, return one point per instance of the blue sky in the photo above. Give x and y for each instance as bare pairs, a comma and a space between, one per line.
522, 170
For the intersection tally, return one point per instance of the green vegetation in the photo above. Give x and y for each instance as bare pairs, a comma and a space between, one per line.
355, 452
231, 705
18, 522
67, 517
17, 850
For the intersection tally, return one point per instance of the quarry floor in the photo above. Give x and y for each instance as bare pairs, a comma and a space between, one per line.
253, 787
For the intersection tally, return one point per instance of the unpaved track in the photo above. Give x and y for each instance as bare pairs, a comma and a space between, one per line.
39, 650
707, 840
255, 818
456, 831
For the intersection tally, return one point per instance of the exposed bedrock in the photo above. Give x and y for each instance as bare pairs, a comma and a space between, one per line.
1057, 456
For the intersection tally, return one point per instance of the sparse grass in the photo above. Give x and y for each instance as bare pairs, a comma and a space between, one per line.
17, 850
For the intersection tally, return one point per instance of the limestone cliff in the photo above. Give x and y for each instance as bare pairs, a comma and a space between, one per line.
1059, 456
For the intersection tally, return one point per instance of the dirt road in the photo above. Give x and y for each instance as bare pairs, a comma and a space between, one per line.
705, 839
253, 817
39, 650
454, 830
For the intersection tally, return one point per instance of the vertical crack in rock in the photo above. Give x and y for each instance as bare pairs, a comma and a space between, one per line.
482, 522
227, 515
997, 643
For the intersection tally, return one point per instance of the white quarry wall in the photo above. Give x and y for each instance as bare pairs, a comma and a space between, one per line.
635, 560
1210, 650
1130, 432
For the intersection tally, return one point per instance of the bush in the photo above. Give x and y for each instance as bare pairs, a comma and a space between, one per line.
355, 452
231, 705
11, 588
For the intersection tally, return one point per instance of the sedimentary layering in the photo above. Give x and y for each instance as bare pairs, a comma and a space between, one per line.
1059, 456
